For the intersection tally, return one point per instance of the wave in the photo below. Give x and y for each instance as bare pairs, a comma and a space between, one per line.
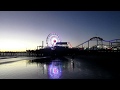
5, 60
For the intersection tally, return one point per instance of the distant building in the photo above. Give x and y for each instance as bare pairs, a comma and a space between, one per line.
61, 45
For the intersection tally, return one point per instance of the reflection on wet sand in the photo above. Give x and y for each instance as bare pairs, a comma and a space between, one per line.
55, 70
53, 66
72, 64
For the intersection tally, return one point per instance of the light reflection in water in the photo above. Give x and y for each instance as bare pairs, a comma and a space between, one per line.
44, 66
55, 70
72, 64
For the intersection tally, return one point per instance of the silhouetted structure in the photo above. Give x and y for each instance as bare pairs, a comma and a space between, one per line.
62, 49
101, 44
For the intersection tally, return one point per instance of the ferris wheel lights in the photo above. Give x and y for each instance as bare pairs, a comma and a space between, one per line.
52, 39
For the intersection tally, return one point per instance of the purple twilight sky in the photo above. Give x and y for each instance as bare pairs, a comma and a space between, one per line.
21, 30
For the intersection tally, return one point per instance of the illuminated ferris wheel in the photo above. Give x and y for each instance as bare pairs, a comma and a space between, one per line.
52, 39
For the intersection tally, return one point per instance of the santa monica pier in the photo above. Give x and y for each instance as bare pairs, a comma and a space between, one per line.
95, 46
96, 58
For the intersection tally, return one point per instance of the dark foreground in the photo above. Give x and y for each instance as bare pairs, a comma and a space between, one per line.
67, 67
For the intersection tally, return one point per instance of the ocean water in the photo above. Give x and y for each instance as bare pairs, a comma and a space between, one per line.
52, 68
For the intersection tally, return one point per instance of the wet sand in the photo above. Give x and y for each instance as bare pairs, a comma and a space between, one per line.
54, 68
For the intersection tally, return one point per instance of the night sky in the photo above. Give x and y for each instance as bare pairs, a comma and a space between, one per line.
21, 30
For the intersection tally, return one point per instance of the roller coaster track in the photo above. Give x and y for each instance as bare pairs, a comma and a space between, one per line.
111, 42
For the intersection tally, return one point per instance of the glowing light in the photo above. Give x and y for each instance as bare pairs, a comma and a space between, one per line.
52, 39
98, 46
70, 44
45, 66
54, 70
